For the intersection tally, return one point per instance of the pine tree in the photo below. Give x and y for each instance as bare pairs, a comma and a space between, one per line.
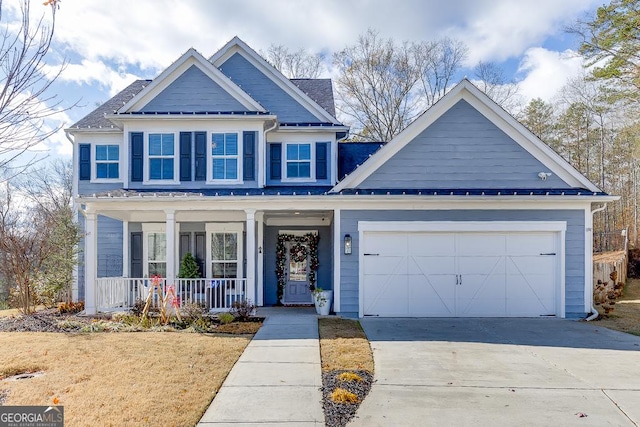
189, 267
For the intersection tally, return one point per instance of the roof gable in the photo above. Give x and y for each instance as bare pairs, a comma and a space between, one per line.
419, 146
191, 62
267, 85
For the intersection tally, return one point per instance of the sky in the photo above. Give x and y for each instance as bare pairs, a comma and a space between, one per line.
108, 44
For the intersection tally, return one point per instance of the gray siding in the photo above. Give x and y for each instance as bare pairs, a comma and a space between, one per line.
574, 246
109, 250
265, 91
462, 149
194, 91
325, 258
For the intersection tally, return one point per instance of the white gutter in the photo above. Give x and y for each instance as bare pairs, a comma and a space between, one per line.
594, 312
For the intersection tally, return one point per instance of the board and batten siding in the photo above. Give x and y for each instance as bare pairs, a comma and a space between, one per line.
191, 92
266, 92
109, 246
462, 149
574, 246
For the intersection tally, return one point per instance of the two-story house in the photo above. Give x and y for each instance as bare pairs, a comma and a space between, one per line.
465, 213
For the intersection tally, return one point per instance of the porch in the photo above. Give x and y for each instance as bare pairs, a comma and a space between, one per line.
121, 293
129, 242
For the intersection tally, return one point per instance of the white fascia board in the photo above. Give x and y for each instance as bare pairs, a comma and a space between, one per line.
149, 203
98, 130
236, 45
169, 75
306, 129
493, 112
461, 226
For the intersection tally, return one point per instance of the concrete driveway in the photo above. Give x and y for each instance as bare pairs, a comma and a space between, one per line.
494, 372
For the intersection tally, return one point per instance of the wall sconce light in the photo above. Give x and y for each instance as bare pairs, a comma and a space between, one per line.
259, 249
347, 244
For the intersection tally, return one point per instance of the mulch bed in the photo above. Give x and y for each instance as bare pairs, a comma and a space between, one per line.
339, 414
41, 321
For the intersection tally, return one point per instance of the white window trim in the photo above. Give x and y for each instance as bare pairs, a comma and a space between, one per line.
234, 227
176, 164
210, 179
312, 160
94, 163
148, 228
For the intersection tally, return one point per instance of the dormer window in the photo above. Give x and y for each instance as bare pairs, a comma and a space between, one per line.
224, 155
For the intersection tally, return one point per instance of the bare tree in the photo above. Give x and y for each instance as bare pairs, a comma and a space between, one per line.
295, 65
495, 84
383, 85
438, 62
39, 239
25, 104
375, 86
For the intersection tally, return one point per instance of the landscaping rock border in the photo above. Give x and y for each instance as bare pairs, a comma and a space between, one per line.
339, 414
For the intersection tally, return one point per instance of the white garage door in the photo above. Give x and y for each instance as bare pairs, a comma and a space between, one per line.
467, 274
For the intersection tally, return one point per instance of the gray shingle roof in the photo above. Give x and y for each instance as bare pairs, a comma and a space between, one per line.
320, 90
96, 119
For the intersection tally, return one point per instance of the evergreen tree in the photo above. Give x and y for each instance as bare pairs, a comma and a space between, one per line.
189, 267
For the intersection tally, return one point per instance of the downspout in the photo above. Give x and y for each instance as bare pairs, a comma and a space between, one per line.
594, 312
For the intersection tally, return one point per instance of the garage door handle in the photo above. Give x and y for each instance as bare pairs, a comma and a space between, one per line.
550, 253
371, 254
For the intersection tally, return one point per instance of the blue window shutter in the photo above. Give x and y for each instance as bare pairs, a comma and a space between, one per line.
275, 157
249, 155
185, 156
201, 156
84, 151
137, 156
321, 160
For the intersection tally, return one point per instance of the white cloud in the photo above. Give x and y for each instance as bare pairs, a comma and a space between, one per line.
547, 71
97, 73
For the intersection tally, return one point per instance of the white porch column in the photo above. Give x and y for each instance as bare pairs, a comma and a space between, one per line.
170, 236
260, 267
90, 262
251, 254
337, 253
125, 249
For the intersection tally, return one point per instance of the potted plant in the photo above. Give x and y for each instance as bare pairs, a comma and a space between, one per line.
322, 301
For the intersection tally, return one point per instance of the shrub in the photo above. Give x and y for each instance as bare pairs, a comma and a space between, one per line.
226, 318
349, 376
189, 267
137, 307
341, 395
243, 310
70, 307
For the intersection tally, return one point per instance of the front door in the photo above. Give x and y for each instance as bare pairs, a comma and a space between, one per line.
296, 290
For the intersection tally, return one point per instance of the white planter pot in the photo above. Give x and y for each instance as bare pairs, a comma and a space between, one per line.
323, 302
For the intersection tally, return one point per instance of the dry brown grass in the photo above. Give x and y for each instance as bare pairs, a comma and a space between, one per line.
341, 395
626, 316
118, 379
343, 345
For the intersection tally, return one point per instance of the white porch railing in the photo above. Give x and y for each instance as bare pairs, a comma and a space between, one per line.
118, 293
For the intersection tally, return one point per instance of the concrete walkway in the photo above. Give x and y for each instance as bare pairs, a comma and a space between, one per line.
277, 379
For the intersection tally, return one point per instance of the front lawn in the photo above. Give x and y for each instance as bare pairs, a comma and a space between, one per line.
626, 315
134, 379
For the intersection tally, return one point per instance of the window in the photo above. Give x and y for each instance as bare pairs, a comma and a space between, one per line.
107, 161
157, 254
298, 161
161, 156
224, 255
224, 152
